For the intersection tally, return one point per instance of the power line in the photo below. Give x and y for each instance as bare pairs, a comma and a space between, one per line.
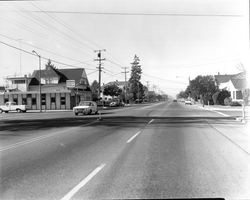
155, 77
30, 53
58, 21
43, 24
10, 38
138, 13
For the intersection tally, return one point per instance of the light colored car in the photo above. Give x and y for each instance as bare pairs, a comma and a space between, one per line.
12, 106
86, 108
188, 102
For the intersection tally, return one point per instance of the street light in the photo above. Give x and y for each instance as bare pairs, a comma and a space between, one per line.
40, 92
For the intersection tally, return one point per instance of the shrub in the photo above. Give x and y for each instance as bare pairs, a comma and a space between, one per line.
227, 101
222, 95
235, 103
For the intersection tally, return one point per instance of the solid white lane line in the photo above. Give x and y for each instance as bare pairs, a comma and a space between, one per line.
221, 113
150, 121
72, 192
133, 137
18, 144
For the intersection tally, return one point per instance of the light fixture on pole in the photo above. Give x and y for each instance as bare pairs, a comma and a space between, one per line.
40, 91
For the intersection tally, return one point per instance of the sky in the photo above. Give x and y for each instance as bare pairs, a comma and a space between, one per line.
174, 39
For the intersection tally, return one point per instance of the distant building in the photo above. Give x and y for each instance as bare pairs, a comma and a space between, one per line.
56, 94
236, 84
2, 89
120, 84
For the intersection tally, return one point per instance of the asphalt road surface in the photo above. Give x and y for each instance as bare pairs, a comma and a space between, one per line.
163, 150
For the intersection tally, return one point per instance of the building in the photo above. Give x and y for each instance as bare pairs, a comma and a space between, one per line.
236, 84
60, 89
120, 84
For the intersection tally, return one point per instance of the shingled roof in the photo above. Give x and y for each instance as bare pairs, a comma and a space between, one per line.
223, 78
77, 74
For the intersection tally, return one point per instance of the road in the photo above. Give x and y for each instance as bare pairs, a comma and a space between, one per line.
163, 150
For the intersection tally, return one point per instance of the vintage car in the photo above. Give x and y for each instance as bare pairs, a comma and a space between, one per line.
86, 108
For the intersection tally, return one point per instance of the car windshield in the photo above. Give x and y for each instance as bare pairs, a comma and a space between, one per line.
85, 103
124, 99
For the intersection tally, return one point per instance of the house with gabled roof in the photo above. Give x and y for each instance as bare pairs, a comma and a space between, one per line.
236, 84
56, 93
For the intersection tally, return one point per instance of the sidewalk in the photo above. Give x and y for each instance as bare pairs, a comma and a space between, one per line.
227, 111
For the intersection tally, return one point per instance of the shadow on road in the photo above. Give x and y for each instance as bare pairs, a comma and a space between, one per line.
112, 121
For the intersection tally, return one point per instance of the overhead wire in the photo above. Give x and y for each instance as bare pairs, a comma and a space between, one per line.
45, 25
42, 57
142, 14
78, 61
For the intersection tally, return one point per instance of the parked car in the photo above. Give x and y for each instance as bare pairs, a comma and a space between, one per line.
113, 104
12, 106
188, 102
86, 108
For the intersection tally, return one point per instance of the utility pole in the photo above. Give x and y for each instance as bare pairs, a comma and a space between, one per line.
125, 72
99, 59
40, 90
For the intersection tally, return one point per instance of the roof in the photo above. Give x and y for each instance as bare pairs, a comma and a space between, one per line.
223, 78
239, 83
120, 83
77, 74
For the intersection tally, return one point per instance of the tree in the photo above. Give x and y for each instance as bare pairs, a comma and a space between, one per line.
182, 95
94, 89
135, 86
49, 65
203, 87
112, 90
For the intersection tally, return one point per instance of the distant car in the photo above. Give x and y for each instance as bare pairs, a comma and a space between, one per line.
188, 102
174, 100
86, 108
113, 104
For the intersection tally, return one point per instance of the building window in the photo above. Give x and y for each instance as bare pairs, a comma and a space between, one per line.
15, 100
33, 101
239, 95
53, 99
19, 81
24, 101
6, 100
63, 101
43, 99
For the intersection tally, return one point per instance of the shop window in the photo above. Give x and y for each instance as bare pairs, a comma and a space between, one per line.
24, 101
43, 99
63, 101
15, 100
6, 100
53, 100
33, 101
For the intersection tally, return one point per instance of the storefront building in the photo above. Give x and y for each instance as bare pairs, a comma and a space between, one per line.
55, 93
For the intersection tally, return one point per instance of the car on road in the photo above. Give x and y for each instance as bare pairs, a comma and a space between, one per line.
113, 104
86, 108
174, 100
188, 102
12, 106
